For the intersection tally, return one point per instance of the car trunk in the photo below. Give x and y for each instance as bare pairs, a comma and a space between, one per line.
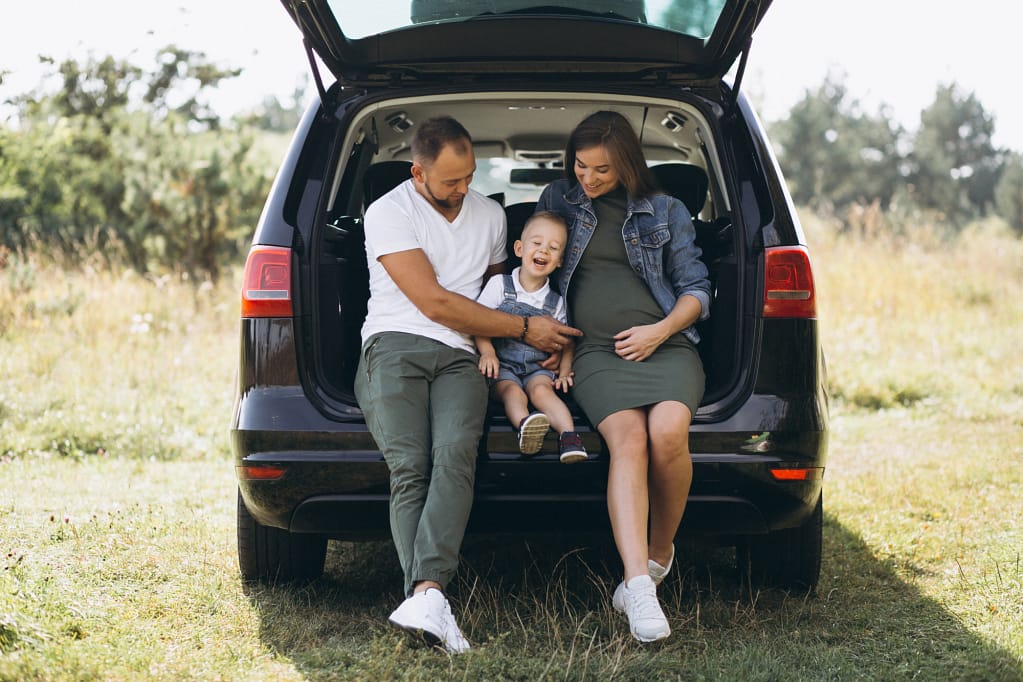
519, 142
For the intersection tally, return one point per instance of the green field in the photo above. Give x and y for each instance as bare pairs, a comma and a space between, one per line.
117, 503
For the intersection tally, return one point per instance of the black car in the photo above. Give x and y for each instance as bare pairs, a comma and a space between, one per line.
520, 76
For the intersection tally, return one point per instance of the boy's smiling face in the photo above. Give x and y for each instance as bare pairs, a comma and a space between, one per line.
541, 246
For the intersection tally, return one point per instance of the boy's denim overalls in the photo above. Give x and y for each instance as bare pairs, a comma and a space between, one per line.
517, 356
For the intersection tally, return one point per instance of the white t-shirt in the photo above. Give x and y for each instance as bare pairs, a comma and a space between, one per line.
493, 294
460, 252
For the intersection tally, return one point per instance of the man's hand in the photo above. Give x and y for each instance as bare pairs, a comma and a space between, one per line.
548, 334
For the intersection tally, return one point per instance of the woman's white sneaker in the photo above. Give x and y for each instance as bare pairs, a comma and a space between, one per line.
637, 599
657, 572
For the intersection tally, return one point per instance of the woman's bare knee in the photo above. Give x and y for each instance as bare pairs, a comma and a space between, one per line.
669, 429
625, 431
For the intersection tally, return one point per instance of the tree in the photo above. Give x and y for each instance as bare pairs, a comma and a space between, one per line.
126, 161
275, 115
31, 185
191, 199
954, 164
1009, 193
181, 82
833, 154
96, 90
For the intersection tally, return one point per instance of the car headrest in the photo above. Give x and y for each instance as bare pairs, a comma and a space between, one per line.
517, 214
685, 182
382, 177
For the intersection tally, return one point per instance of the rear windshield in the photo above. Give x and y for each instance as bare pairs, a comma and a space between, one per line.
361, 19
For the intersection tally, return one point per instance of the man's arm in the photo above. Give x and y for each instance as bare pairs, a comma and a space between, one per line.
412, 272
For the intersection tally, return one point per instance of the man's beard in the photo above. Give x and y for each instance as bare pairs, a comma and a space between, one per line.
445, 203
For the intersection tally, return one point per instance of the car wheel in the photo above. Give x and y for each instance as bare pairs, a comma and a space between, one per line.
789, 559
272, 555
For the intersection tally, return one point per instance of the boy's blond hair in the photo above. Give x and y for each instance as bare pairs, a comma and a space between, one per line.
544, 215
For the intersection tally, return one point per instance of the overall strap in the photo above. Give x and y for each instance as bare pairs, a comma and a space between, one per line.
509, 289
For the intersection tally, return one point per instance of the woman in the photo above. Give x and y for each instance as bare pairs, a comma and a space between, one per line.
635, 286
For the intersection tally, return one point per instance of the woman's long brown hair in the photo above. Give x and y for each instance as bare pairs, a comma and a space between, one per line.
612, 131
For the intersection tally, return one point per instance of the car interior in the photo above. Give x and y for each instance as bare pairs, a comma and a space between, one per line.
519, 145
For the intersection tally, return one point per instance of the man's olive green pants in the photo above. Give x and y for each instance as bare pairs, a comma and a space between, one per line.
424, 403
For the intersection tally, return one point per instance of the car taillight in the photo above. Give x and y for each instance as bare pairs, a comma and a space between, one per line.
788, 283
266, 285
262, 472
798, 473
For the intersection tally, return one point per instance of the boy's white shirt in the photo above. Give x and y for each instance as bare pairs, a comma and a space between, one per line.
460, 252
493, 294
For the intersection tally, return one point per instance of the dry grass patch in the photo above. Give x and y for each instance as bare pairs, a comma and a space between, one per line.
117, 503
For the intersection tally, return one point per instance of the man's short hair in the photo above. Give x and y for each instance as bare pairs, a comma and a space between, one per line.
434, 133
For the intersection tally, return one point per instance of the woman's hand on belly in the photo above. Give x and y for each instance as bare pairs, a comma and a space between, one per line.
638, 343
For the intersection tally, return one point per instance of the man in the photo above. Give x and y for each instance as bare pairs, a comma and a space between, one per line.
431, 243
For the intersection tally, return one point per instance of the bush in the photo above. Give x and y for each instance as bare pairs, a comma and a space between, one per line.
1009, 194
92, 170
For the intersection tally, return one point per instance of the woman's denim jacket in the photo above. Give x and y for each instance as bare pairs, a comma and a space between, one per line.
659, 239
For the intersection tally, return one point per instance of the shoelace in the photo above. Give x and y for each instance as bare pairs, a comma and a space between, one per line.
644, 604
452, 633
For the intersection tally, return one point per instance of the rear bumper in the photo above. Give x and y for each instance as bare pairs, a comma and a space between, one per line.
345, 495
352, 517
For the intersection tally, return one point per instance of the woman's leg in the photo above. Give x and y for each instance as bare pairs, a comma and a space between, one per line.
670, 474
627, 499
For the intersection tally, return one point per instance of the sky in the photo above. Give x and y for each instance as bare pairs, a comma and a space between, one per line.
890, 52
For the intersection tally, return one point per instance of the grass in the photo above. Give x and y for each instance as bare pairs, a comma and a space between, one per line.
117, 503
109, 363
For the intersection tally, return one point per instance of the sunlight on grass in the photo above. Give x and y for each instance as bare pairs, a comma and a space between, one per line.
106, 363
117, 502
907, 320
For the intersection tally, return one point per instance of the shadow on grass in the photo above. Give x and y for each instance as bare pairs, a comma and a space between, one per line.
539, 608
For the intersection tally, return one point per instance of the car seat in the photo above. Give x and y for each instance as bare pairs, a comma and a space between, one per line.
382, 177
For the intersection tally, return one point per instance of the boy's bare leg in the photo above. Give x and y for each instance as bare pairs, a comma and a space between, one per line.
545, 399
516, 404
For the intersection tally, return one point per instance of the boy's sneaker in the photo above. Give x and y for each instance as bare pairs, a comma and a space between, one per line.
428, 615
657, 572
532, 431
570, 445
637, 599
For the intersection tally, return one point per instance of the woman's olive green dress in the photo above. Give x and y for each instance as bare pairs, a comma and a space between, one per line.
607, 297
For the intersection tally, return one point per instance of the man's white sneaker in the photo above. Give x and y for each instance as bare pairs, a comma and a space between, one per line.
428, 615
637, 599
454, 641
421, 614
657, 572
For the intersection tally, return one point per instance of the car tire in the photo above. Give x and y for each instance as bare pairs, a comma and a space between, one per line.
789, 559
272, 555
